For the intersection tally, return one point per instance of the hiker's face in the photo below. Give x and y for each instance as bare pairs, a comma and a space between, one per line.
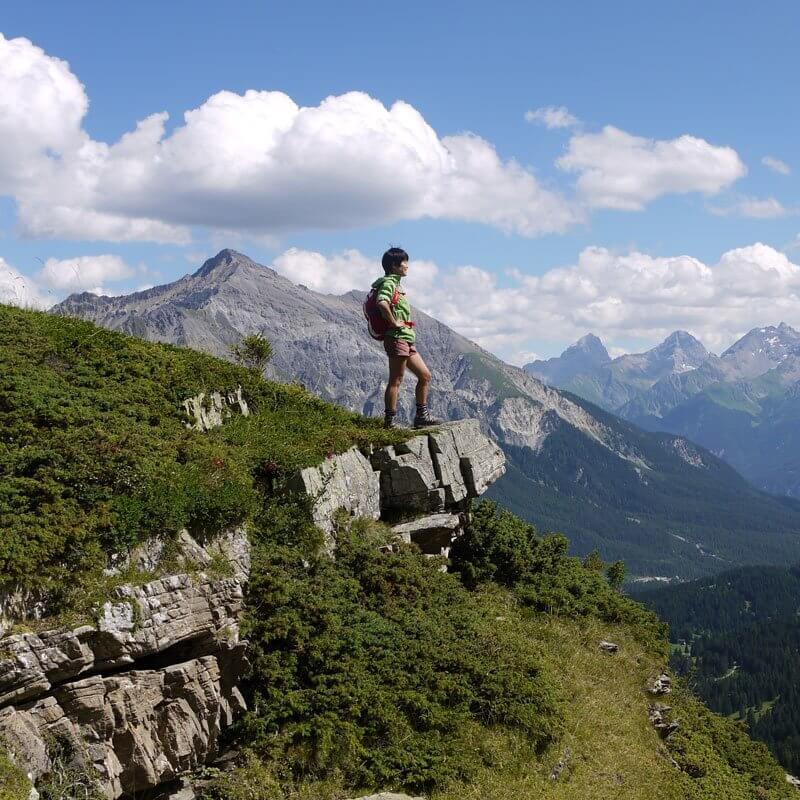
402, 268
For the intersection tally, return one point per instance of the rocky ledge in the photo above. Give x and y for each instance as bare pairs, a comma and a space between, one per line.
421, 487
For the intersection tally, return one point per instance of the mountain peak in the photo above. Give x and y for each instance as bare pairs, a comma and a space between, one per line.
589, 345
762, 349
681, 339
684, 350
223, 264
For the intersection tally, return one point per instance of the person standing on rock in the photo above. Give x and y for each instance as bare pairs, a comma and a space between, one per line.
400, 338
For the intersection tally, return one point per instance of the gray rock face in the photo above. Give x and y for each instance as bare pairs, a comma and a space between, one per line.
439, 469
136, 728
346, 481
408, 480
433, 534
436, 471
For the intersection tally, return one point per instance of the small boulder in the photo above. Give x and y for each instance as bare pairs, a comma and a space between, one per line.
659, 719
608, 647
661, 685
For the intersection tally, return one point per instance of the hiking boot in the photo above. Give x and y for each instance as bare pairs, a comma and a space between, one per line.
426, 421
390, 421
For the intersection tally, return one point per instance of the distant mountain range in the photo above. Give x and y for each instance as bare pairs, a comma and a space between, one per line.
743, 405
666, 506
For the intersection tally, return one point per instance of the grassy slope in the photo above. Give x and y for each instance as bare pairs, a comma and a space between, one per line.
95, 456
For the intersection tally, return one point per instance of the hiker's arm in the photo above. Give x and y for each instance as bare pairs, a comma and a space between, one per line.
388, 314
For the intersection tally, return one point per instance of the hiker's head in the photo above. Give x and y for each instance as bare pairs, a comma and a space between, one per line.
393, 260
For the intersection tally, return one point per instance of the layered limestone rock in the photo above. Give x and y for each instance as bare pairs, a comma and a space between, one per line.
206, 413
433, 474
433, 534
345, 481
136, 730
172, 648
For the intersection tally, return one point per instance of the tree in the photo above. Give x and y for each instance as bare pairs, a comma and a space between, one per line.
616, 574
593, 562
253, 351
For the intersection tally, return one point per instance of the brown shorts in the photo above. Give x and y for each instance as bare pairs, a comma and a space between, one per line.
398, 347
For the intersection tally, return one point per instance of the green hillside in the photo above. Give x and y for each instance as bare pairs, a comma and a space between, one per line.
373, 670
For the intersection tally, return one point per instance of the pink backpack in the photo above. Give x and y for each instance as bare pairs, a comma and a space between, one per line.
376, 324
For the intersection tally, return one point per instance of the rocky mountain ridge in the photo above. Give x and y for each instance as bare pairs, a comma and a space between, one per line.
738, 404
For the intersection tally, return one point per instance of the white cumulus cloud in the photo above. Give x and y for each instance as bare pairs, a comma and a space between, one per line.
618, 170
84, 274
776, 165
255, 162
552, 117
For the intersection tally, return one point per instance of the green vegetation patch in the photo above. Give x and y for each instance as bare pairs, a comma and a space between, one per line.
378, 672
14, 784
95, 454
378, 667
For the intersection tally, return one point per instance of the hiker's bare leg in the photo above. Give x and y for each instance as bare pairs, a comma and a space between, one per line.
418, 367
397, 368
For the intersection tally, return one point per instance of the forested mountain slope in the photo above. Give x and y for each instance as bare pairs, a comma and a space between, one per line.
665, 506
738, 635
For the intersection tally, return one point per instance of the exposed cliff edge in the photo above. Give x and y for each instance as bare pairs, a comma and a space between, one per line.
143, 693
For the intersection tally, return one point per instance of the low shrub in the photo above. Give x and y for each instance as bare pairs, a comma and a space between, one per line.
499, 546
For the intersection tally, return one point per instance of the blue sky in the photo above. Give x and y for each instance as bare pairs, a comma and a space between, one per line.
524, 254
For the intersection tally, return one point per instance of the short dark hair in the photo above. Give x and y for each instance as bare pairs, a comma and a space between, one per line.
392, 258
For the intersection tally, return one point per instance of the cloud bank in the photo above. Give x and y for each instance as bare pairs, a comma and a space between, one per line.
618, 170
253, 162
621, 297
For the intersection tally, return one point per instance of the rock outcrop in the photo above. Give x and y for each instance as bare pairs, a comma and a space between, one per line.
422, 486
205, 414
345, 481
141, 695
